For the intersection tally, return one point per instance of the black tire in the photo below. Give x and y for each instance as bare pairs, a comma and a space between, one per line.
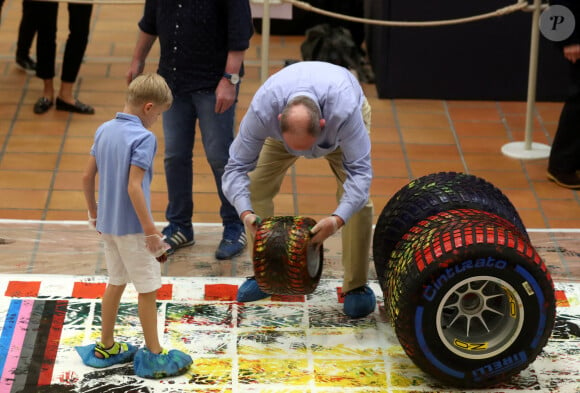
471, 301
427, 196
285, 263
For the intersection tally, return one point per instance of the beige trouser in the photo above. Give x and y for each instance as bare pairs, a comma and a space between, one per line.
265, 182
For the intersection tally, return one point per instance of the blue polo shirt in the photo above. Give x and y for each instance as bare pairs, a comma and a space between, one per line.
120, 143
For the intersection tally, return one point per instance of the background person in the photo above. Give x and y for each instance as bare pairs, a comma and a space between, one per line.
45, 15
564, 161
202, 50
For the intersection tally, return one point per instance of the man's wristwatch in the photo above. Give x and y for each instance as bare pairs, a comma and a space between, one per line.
233, 78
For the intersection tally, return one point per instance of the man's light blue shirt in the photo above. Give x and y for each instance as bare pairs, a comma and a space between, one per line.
340, 98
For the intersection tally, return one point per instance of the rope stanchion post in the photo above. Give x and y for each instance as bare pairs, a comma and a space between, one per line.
265, 52
529, 149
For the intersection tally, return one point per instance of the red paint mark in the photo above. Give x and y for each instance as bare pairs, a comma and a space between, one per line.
23, 289
339, 294
89, 290
289, 298
165, 292
561, 299
68, 378
221, 292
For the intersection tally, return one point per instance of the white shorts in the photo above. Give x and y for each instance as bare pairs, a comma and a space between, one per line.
129, 261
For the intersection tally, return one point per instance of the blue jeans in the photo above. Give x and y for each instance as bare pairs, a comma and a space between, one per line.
217, 134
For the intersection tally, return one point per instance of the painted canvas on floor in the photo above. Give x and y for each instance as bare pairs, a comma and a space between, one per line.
284, 344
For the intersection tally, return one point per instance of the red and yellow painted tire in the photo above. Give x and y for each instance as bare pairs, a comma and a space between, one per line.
284, 260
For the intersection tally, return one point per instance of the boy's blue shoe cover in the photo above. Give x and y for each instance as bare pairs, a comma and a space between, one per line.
87, 354
165, 364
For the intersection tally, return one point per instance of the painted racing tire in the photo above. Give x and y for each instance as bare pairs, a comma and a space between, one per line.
471, 301
429, 195
285, 263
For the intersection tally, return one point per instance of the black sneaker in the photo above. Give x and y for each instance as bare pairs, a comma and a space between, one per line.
27, 64
566, 180
177, 237
233, 242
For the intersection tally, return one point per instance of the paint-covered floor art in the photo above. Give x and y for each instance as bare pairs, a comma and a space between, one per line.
278, 345
52, 277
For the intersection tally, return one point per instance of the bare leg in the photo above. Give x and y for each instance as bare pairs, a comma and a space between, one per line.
109, 310
148, 318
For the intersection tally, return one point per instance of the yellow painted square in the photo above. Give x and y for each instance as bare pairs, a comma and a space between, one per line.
273, 371
350, 373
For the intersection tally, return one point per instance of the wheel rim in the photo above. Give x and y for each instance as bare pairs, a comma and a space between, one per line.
479, 317
313, 260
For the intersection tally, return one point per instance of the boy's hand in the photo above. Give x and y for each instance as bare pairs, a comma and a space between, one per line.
157, 247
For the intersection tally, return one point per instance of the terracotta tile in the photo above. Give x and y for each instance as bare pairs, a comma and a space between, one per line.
480, 129
416, 151
522, 198
316, 204
532, 218
566, 209
387, 150
389, 168
433, 136
67, 200
31, 128
422, 120
549, 190
23, 199
422, 168
311, 167
34, 144
481, 161
20, 213
513, 107
490, 113
73, 162
66, 215
482, 144
384, 135
563, 223
536, 169
29, 161
319, 185
503, 179
25, 180
420, 105
81, 145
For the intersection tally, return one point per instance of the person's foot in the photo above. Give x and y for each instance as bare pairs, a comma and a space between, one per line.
27, 64
566, 180
233, 242
249, 291
177, 237
165, 364
96, 355
76, 107
42, 105
359, 302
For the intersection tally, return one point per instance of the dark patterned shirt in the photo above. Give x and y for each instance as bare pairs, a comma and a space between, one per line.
195, 37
